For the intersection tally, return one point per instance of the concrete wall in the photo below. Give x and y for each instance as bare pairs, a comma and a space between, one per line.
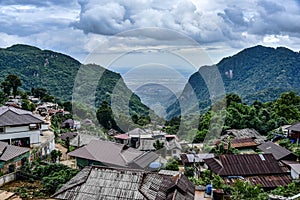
16, 129
7, 178
294, 174
33, 135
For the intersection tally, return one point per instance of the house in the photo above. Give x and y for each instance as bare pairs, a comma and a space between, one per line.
111, 154
95, 182
173, 148
12, 155
70, 135
261, 169
83, 138
279, 152
19, 127
136, 135
295, 171
243, 143
69, 123
294, 132
245, 133
189, 160
122, 138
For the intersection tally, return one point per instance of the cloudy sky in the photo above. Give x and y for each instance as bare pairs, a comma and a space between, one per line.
78, 27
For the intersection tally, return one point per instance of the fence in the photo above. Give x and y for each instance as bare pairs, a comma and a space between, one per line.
8, 178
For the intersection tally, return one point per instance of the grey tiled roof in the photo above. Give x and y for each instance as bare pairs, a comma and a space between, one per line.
10, 116
114, 154
278, 152
9, 151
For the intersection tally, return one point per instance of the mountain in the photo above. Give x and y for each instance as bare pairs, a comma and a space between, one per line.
57, 73
256, 73
157, 97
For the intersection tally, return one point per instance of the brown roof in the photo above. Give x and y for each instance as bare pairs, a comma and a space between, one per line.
278, 152
271, 181
10, 116
114, 154
97, 182
121, 136
243, 142
9, 152
244, 165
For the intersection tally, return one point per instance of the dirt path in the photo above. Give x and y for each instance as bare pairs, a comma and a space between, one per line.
63, 150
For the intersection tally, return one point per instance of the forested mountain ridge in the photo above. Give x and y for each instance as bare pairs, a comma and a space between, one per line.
256, 73
56, 72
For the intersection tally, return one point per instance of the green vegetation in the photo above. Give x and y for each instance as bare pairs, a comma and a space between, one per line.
46, 74
11, 82
52, 176
258, 74
243, 189
158, 145
264, 117
172, 164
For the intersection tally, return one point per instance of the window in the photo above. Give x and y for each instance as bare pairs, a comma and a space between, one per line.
33, 126
2, 129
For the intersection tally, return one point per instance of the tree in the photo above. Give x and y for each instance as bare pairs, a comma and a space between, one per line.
172, 164
6, 87
158, 145
67, 144
105, 116
54, 155
13, 82
59, 154
189, 171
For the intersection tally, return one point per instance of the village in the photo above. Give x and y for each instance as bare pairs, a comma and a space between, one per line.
143, 163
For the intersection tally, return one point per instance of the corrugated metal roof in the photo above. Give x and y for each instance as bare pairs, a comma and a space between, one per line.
10, 116
278, 152
191, 158
243, 142
244, 165
97, 182
272, 181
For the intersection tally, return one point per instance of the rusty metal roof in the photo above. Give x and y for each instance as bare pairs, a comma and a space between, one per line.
243, 142
271, 181
244, 165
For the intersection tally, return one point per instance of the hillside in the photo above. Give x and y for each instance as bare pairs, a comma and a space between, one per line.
257, 73
56, 72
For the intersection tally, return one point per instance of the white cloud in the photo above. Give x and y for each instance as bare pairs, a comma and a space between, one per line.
83, 24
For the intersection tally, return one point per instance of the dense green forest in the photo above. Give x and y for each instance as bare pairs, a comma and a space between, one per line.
264, 117
56, 73
256, 74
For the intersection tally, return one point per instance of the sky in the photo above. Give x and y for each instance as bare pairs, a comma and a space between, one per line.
104, 31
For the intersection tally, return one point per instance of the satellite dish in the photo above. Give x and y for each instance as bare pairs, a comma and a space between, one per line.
155, 165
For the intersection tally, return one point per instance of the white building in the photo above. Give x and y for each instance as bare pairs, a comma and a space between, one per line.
19, 127
295, 171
